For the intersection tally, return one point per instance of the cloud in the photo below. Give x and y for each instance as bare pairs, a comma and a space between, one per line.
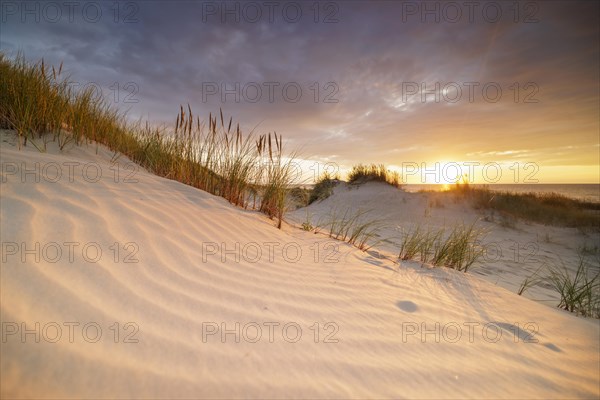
363, 62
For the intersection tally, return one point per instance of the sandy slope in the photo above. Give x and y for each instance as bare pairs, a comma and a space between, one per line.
369, 313
513, 250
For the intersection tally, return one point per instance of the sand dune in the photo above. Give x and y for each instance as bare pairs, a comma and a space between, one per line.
513, 250
317, 318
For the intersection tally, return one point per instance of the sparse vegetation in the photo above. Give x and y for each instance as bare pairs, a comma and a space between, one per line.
299, 196
530, 281
378, 173
276, 178
411, 243
307, 225
37, 101
579, 293
418, 242
323, 188
353, 227
40, 105
544, 208
458, 250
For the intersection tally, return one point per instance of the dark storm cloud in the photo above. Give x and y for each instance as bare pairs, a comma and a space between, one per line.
172, 49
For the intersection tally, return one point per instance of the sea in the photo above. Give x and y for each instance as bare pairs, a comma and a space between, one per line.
581, 191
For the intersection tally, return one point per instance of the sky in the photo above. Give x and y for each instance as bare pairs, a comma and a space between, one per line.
504, 92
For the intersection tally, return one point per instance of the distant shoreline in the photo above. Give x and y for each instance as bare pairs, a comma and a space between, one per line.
579, 191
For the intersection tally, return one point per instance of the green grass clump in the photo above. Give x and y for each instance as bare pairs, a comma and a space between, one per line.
276, 175
412, 242
579, 294
41, 106
323, 188
530, 281
418, 242
353, 227
299, 196
458, 250
379, 173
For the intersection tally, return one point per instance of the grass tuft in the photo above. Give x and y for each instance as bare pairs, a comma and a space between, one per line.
458, 250
378, 173
418, 242
353, 227
579, 293
323, 188
530, 281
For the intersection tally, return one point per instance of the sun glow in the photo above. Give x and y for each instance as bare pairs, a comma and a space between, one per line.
436, 172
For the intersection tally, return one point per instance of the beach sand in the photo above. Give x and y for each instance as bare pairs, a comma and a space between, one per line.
317, 318
512, 249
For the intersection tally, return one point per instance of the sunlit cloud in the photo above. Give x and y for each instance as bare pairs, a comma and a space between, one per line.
504, 94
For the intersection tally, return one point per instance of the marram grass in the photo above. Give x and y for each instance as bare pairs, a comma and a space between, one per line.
379, 173
459, 249
40, 105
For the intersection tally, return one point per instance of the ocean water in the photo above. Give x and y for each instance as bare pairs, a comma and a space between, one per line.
587, 192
